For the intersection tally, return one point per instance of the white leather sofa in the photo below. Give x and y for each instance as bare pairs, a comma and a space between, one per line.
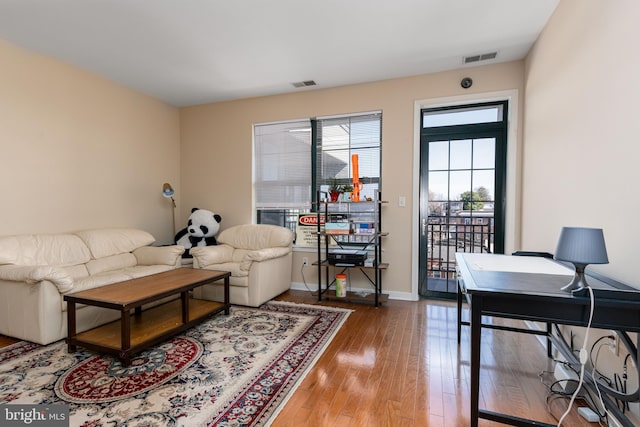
259, 257
37, 270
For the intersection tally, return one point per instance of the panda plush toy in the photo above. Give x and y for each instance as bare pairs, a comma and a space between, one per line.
201, 230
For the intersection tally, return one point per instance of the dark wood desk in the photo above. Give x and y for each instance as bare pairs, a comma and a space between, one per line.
530, 289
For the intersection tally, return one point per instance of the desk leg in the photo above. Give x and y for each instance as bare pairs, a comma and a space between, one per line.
476, 331
459, 312
549, 344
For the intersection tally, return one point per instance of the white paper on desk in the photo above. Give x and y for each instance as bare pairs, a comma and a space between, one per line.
516, 264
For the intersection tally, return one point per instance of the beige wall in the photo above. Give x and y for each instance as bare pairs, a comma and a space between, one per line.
216, 160
79, 151
581, 144
581, 140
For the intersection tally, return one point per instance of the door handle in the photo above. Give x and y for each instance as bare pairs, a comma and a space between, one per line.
424, 226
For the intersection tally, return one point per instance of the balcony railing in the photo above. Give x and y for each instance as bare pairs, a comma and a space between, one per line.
447, 235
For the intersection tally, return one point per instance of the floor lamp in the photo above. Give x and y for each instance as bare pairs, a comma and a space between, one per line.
167, 192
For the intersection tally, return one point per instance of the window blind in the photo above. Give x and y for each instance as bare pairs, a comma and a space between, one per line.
282, 166
339, 138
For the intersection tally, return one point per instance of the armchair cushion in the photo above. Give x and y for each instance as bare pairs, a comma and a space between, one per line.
256, 236
262, 255
208, 255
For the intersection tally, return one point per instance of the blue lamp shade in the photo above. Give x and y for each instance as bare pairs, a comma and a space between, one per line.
581, 246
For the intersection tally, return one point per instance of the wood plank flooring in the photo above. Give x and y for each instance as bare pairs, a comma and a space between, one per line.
400, 365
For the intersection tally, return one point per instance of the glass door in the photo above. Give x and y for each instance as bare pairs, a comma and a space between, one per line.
462, 171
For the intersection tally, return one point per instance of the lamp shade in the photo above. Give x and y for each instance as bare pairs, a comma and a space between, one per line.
582, 246
167, 191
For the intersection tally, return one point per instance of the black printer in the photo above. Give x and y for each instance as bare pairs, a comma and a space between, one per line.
346, 256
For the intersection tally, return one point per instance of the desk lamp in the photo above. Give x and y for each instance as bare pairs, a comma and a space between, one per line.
581, 246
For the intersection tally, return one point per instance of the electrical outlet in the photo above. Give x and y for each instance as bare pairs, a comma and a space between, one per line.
305, 261
614, 343
567, 378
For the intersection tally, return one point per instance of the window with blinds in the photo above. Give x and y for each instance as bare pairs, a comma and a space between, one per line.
293, 160
341, 137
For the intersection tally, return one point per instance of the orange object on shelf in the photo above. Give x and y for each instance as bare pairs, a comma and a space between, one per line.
357, 185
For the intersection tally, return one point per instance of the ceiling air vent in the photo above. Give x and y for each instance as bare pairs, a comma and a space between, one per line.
481, 57
304, 83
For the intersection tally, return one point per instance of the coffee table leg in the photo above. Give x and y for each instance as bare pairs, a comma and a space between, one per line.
71, 326
125, 358
184, 297
227, 303
125, 336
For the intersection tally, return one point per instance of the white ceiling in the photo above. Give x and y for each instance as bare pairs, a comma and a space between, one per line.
188, 52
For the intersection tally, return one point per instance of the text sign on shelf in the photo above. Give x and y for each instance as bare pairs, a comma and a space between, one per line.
307, 229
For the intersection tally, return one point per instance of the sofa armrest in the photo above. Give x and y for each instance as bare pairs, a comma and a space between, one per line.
262, 255
159, 255
208, 255
31, 274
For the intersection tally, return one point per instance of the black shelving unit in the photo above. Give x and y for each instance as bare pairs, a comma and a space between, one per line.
364, 221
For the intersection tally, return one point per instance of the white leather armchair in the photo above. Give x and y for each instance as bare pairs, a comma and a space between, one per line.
259, 257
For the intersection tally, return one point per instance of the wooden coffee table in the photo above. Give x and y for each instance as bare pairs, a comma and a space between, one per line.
141, 329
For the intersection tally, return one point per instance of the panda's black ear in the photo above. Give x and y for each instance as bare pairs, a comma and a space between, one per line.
217, 217
194, 209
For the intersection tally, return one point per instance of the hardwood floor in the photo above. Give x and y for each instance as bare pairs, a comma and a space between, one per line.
400, 365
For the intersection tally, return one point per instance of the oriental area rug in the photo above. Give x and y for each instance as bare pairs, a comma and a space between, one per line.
235, 370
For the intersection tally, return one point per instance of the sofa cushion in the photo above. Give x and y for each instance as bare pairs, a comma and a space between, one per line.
33, 274
43, 249
9, 248
76, 271
154, 255
113, 241
100, 279
111, 263
145, 270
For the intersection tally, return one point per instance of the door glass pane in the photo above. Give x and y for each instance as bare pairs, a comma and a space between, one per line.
439, 155
484, 183
460, 183
461, 154
484, 153
438, 185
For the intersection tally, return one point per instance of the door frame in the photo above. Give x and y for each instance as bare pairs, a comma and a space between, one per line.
513, 176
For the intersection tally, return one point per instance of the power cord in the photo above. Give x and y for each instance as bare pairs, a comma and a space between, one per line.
621, 384
303, 278
584, 358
